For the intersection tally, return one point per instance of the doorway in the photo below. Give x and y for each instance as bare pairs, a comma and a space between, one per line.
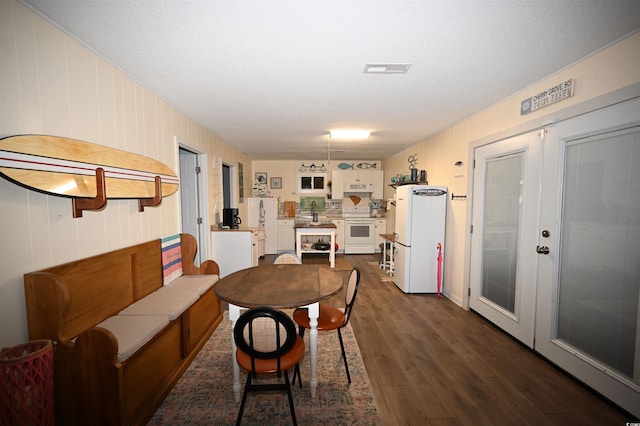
193, 199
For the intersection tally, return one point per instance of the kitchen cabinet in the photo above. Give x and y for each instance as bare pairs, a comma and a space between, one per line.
378, 184
358, 176
339, 223
234, 250
285, 235
337, 184
381, 228
340, 178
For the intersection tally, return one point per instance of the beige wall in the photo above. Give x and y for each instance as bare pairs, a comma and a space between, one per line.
50, 84
611, 70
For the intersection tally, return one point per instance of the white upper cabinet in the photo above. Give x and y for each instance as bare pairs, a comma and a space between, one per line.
337, 184
371, 181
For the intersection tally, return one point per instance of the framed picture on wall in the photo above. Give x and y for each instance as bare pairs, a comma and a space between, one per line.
261, 177
241, 181
276, 183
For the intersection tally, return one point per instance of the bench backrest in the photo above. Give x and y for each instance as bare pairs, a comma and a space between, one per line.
64, 300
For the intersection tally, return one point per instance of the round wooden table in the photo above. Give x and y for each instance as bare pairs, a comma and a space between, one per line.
279, 286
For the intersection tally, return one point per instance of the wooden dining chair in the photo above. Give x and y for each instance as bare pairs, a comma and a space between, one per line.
267, 344
331, 318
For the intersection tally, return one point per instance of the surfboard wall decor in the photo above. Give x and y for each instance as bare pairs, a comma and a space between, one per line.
69, 168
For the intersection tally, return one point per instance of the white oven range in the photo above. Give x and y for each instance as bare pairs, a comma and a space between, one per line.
359, 235
359, 227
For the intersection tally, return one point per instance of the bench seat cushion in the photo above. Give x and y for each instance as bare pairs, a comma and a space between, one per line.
171, 301
197, 283
132, 332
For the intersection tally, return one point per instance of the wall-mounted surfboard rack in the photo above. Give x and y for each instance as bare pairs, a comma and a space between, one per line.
78, 205
87, 173
100, 200
155, 200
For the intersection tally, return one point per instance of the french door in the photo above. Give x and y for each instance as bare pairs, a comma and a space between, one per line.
588, 321
555, 248
506, 198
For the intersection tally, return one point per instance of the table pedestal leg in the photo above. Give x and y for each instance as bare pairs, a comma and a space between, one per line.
234, 314
332, 250
314, 311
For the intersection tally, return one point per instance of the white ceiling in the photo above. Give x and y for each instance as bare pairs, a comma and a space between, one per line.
273, 77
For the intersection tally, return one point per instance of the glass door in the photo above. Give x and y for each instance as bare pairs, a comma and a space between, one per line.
588, 316
506, 198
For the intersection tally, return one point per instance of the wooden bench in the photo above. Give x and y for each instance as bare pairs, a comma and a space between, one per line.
122, 338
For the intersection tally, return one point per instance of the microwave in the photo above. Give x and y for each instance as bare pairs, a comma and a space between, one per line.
358, 187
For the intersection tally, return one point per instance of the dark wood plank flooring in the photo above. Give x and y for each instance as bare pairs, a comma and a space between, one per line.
432, 363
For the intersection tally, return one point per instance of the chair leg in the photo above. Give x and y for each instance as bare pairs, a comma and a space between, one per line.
296, 372
293, 410
344, 356
244, 399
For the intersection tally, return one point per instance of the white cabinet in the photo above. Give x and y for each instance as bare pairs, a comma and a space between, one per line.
339, 223
381, 228
285, 235
234, 250
378, 184
362, 178
358, 176
337, 184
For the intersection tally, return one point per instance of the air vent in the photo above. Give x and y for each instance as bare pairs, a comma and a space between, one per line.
387, 68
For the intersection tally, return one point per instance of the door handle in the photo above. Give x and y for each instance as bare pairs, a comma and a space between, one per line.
542, 250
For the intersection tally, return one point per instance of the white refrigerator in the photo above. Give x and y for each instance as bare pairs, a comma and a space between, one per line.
263, 214
421, 212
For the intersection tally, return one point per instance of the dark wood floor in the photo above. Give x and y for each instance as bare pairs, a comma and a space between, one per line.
432, 363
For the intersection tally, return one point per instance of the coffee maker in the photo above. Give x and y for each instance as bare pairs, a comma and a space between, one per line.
230, 218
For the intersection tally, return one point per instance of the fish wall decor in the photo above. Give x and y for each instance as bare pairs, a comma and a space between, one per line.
345, 166
367, 165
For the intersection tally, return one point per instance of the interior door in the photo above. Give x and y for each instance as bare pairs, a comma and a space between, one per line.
588, 297
506, 200
189, 198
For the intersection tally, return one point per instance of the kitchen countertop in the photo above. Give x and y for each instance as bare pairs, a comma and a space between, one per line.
214, 228
327, 218
321, 225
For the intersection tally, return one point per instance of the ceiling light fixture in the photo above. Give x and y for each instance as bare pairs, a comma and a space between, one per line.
349, 134
386, 68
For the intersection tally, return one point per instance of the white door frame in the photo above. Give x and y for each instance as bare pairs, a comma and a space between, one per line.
203, 195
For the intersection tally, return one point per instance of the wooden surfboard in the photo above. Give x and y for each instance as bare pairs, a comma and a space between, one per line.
67, 167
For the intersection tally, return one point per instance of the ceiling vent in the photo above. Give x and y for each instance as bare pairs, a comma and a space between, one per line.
387, 68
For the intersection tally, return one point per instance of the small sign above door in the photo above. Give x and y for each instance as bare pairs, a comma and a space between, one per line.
550, 96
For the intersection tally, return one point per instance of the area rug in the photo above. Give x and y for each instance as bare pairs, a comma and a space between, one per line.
204, 394
382, 273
